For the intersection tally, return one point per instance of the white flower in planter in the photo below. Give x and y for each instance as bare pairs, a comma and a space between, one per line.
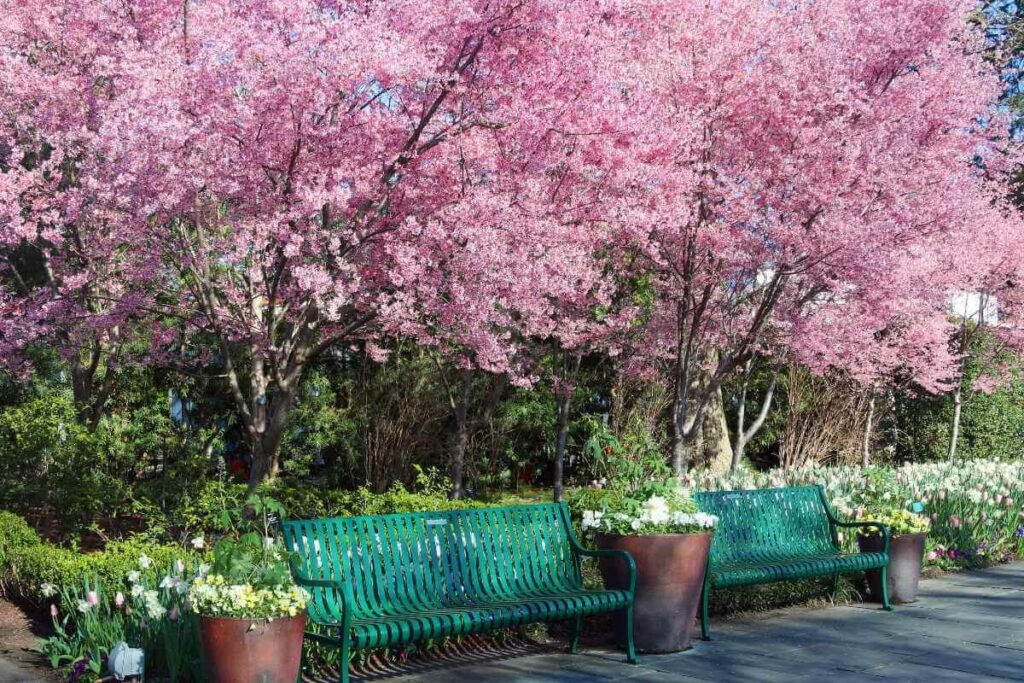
145, 562
591, 519
48, 590
655, 511
198, 542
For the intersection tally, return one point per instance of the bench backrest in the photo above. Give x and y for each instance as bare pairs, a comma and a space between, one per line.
411, 562
767, 524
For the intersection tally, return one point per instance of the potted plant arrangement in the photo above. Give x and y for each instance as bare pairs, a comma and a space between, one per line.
906, 550
670, 539
251, 614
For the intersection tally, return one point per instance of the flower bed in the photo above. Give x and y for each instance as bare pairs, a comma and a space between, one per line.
975, 507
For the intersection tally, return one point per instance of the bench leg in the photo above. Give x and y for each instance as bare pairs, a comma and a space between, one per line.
343, 660
302, 662
886, 605
630, 646
705, 622
574, 644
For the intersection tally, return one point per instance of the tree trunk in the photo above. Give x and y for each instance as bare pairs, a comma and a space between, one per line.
564, 388
709, 446
865, 449
955, 432
564, 403
743, 433
461, 439
89, 393
467, 423
265, 436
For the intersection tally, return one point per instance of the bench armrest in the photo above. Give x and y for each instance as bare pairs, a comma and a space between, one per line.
621, 554
342, 588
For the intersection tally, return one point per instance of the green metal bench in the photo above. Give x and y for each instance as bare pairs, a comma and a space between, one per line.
392, 579
769, 535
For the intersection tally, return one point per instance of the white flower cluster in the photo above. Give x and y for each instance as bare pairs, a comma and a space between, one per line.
656, 516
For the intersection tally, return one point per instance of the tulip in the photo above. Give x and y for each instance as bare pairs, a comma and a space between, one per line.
174, 614
954, 521
53, 611
932, 556
119, 599
92, 598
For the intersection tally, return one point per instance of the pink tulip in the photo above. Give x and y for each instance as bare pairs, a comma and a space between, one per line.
174, 614
1008, 502
53, 611
119, 599
954, 521
92, 598
932, 556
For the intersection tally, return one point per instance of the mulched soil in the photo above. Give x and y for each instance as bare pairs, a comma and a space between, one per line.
19, 636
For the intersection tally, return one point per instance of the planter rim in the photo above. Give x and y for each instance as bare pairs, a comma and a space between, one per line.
301, 615
676, 535
905, 535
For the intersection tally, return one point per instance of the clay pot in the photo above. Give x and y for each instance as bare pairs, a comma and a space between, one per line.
252, 650
906, 555
670, 577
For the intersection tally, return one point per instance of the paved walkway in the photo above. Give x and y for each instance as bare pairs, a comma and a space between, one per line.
965, 627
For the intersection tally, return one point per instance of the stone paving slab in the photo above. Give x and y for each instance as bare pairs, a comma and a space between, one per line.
965, 627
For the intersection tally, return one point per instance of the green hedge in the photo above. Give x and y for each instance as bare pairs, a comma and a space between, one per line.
26, 562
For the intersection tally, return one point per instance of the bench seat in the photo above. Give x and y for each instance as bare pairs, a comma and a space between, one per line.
770, 570
403, 627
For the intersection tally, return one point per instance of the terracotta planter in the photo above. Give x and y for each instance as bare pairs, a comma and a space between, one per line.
670, 577
906, 555
252, 651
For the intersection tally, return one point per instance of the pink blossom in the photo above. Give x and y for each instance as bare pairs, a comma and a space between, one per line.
954, 521
92, 598
119, 599
53, 610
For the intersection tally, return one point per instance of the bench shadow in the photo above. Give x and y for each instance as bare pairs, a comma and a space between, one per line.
472, 650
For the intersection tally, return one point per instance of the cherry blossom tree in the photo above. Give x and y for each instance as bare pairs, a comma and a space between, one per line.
807, 171
259, 181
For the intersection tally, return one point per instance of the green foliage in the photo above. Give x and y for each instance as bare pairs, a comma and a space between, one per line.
992, 420
15, 536
320, 426
28, 567
630, 463
250, 554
